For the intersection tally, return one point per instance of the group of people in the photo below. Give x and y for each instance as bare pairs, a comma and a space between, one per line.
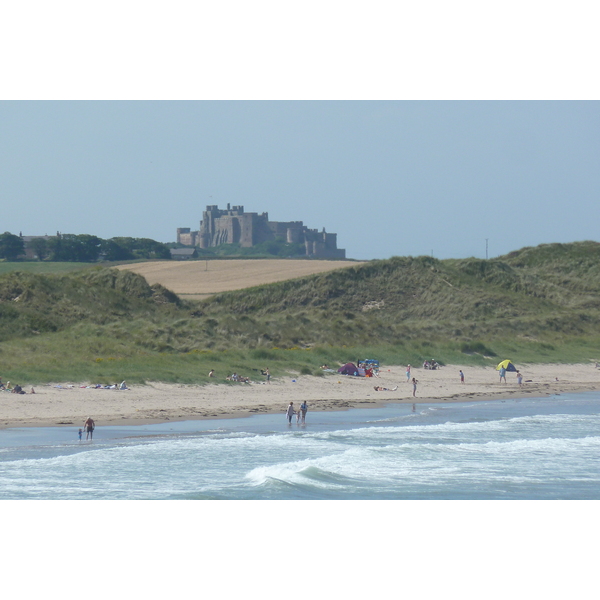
300, 413
503, 376
241, 379
431, 365
370, 367
16, 389
238, 378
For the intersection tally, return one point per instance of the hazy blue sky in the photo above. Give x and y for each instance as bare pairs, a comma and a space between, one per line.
389, 177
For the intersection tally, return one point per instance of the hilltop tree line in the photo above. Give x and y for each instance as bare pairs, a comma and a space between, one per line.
67, 247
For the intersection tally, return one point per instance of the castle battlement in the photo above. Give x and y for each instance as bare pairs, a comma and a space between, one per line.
234, 226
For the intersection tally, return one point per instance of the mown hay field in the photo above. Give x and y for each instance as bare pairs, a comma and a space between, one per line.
195, 280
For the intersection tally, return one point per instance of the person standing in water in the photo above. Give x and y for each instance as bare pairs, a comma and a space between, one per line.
89, 427
303, 409
290, 412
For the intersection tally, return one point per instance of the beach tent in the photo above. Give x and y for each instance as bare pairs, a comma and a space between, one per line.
507, 365
348, 369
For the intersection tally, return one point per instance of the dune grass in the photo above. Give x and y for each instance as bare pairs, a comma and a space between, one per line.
59, 358
103, 325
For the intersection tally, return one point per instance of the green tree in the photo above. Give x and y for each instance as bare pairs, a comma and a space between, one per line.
147, 248
68, 247
40, 247
144, 247
11, 246
87, 247
112, 250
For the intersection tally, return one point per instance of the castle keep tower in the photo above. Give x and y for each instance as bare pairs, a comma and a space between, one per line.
234, 226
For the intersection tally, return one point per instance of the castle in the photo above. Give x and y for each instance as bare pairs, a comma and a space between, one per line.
233, 225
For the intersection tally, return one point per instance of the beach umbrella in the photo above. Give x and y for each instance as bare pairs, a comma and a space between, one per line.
506, 364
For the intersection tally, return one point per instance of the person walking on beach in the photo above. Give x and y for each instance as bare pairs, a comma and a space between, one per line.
268, 375
462, 376
303, 409
414, 384
519, 378
407, 373
89, 427
290, 412
502, 374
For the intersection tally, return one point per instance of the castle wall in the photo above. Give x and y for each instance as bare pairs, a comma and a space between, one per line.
186, 236
249, 225
233, 225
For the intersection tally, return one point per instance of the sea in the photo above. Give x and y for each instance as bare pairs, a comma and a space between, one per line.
515, 449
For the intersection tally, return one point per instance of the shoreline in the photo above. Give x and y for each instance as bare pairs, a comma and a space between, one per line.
153, 403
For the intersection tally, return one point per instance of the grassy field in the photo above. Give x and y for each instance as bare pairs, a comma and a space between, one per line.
102, 325
42, 267
196, 280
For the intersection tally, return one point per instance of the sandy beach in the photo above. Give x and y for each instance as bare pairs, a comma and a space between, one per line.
70, 404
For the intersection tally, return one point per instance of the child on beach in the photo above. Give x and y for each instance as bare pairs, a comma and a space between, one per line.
519, 379
407, 373
414, 384
80, 432
462, 376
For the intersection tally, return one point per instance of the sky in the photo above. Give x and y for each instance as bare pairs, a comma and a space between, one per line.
391, 178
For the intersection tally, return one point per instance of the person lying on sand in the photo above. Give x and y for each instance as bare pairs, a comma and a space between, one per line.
378, 388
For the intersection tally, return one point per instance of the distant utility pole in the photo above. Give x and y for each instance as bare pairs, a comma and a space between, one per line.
486, 248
